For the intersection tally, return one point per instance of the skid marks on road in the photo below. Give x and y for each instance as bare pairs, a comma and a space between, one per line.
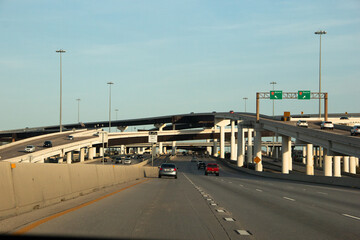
225, 218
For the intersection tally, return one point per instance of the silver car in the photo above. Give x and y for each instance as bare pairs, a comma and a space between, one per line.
30, 148
355, 130
127, 160
168, 169
327, 124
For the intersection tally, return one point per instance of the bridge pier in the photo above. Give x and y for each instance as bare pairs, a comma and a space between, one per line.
309, 159
286, 153
241, 145
232, 142
222, 141
69, 157
257, 149
249, 146
327, 163
352, 165
91, 153
346, 164
82, 155
215, 148
337, 166
173, 150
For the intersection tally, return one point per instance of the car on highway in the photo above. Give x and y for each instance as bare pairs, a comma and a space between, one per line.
30, 148
47, 144
168, 169
127, 160
302, 123
70, 137
344, 118
201, 165
212, 168
355, 130
118, 160
194, 159
327, 125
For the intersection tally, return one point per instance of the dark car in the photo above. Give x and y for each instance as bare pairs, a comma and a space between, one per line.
201, 165
47, 144
118, 160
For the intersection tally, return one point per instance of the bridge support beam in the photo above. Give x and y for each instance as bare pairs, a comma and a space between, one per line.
327, 163
232, 142
215, 148
290, 156
286, 152
337, 166
309, 159
69, 157
222, 141
173, 150
101, 151
91, 153
241, 146
82, 155
250, 146
352, 165
160, 126
346, 164
257, 149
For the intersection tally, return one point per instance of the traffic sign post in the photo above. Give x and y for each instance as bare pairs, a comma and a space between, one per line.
276, 95
304, 95
152, 139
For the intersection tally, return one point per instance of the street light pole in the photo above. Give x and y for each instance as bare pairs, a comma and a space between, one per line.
110, 83
245, 98
273, 113
60, 51
320, 32
78, 100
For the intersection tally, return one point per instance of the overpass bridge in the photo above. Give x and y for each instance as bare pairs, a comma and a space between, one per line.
331, 147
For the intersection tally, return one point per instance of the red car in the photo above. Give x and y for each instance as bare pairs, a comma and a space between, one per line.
212, 168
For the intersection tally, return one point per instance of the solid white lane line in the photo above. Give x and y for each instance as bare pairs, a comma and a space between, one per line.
347, 215
243, 232
290, 199
259, 190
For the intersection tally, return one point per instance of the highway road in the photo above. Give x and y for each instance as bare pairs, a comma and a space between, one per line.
196, 206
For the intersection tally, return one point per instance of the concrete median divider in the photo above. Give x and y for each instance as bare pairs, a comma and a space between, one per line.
25, 186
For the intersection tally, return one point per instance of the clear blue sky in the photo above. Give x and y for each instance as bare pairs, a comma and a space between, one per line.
172, 57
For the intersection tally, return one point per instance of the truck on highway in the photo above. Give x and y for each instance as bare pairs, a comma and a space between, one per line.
212, 168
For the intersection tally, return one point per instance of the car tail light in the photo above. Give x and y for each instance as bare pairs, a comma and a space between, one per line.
161, 169
175, 169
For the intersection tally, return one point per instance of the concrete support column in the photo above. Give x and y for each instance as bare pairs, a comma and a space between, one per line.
208, 149
257, 150
122, 147
250, 146
161, 148
101, 151
304, 155
215, 150
346, 164
327, 163
357, 161
173, 150
267, 151
309, 160
232, 142
222, 141
82, 155
337, 166
352, 165
68, 157
241, 146
321, 156
91, 153
290, 155
285, 154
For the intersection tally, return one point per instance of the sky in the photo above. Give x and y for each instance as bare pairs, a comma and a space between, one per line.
172, 57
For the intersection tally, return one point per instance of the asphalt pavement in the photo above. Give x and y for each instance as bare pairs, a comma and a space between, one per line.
233, 205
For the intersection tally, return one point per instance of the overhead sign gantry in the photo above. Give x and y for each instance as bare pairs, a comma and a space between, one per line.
300, 95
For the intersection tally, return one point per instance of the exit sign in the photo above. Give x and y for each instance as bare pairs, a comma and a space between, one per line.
303, 95
276, 95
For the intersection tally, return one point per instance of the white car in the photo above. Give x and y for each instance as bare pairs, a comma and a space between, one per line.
127, 160
302, 123
30, 148
327, 124
355, 130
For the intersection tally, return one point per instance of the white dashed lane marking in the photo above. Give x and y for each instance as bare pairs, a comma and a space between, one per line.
243, 232
229, 219
347, 215
290, 199
259, 190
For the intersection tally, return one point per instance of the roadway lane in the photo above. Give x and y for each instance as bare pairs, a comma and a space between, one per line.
181, 208
19, 149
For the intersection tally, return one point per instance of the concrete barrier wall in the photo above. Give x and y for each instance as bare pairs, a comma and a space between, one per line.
28, 186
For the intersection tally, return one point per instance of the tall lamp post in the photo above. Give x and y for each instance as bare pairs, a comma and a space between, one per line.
320, 32
273, 114
245, 98
110, 83
60, 51
78, 100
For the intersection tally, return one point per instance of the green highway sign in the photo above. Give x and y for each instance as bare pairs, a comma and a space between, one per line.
276, 95
303, 95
